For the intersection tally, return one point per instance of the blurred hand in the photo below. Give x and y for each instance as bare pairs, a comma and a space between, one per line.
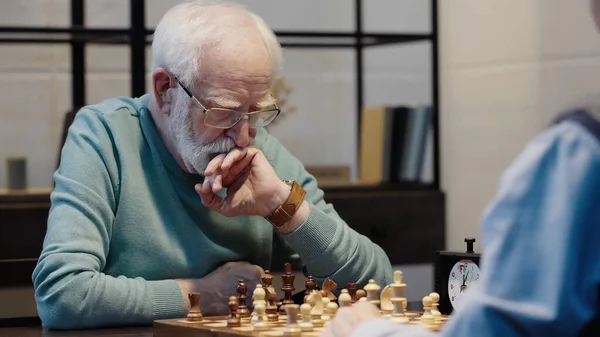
253, 187
348, 319
216, 287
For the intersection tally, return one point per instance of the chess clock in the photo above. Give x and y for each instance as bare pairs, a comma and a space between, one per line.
455, 273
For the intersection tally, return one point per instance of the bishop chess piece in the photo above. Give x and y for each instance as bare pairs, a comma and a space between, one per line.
243, 311
233, 320
435, 297
398, 299
287, 288
372, 290
306, 324
345, 300
194, 315
291, 327
352, 289
309, 285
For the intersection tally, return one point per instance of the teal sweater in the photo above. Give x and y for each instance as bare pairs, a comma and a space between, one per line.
126, 221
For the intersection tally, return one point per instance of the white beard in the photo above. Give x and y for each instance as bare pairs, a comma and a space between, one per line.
194, 154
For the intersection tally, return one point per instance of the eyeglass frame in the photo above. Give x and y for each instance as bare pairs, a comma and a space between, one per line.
205, 110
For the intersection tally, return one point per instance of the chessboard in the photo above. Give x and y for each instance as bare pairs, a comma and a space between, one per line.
287, 318
216, 326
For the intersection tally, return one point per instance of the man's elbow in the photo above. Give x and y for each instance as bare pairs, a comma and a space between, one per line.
57, 314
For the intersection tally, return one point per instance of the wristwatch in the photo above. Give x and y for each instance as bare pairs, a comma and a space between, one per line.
286, 211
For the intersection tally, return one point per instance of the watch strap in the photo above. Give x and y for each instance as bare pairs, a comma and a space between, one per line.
286, 211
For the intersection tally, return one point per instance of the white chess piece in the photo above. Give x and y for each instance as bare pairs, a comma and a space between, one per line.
325, 316
372, 290
258, 297
397, 299
291, 326
427, 318
345, 300
435, 297
316, 301
260, 324
385, 303
332, 309
306, 324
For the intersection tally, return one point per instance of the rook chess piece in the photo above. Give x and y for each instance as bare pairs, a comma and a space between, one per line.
242, 297
194, 314
345, 300
306, 324
291, 327
287, 288
233, 320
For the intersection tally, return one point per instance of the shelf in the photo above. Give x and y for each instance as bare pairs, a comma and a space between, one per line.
114, 36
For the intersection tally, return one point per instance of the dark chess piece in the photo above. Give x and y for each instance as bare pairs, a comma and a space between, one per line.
194, 314
309, 285
233, 320
352, 288
287, 288
272, 315
242, 297
360, 293
267, 279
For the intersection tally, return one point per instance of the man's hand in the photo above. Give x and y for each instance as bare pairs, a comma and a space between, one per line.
348, 319
253, 187
216, 287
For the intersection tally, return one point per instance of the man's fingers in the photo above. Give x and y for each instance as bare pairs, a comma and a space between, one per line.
234, 156
214, 164
243, 164
208, 197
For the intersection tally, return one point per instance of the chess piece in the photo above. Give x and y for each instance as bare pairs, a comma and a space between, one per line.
260, 324
272, 315
325, 302
360, 293
291, 327
345, 300
332, 309
309, 285
427, 319
385, 303
233, 320
434, 307
352, 289
194, 314
363, 299
328, 286
287, 288
398, 299
242, 297
316, 301
306, 324
372, 290
258, 297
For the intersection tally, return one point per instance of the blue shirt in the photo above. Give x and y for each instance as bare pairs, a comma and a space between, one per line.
541, 244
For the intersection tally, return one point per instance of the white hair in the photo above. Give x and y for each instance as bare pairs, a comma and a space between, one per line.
188, 27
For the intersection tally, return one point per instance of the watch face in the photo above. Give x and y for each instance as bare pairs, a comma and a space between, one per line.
463, 275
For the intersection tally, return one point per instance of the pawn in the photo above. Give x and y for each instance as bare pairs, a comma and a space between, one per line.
258, 297
427, 318
233, 320
260, 324
306, 324
345, 300
194, 315
325, 302
360, 293
434, 307
372, 290
291, 326
332, 309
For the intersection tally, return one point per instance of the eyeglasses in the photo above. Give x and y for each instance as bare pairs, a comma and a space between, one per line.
227, 118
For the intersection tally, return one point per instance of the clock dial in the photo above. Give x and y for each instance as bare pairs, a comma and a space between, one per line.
463, 276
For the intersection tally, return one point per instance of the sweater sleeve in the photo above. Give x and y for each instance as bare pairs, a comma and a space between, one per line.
325, 243
71, 290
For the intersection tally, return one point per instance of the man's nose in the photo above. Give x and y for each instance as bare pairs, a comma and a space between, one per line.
240, 133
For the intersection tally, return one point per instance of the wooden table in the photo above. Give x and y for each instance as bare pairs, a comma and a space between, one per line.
37, 331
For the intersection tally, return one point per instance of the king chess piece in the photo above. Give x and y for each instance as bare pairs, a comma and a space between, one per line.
242, 290
287, 288
194, 315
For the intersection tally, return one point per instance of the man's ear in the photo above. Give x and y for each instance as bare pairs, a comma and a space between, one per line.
161, 83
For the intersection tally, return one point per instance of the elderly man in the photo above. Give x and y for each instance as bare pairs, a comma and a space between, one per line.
541, 253
183, 190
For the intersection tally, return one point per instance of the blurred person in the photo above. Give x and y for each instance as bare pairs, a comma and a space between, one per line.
541, 245
183, 190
